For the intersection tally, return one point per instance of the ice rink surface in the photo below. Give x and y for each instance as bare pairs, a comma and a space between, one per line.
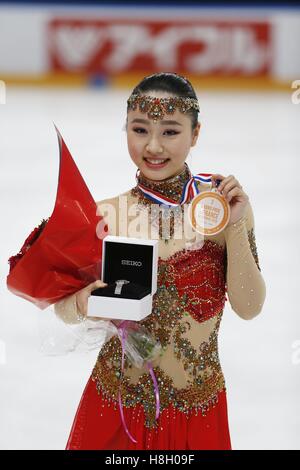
254, 136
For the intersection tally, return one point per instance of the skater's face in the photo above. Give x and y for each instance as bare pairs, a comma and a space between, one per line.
169, 139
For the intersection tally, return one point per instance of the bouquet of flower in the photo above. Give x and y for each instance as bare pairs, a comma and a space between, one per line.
64, 253
139, 345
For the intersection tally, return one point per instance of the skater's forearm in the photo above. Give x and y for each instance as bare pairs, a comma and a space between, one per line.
246, 288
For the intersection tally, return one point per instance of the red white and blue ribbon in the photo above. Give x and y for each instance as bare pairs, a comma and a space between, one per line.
190, 190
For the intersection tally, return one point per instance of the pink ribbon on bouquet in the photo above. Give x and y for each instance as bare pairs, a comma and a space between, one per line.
124, 334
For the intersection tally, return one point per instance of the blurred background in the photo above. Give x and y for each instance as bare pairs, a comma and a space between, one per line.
74, 64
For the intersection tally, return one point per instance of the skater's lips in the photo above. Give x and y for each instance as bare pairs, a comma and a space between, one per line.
156, 158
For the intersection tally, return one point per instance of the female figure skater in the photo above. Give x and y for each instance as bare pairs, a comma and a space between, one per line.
162, 125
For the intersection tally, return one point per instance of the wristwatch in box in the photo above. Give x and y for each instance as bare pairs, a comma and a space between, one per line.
129, 269
119, 284
122, 290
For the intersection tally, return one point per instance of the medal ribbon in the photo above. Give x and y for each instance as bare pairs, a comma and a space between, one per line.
189, 190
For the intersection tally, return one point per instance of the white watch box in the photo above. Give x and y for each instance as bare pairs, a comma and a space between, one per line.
126, 259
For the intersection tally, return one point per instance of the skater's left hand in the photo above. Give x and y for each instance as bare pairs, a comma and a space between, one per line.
233, 192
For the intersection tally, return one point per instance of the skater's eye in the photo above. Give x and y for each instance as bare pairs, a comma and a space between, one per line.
138, 129
173, 132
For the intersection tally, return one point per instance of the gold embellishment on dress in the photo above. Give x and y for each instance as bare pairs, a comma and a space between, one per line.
162, 218
169, 321
194, 362
252, 242
201, 392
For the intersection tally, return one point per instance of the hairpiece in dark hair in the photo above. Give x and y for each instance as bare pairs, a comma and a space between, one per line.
172, 83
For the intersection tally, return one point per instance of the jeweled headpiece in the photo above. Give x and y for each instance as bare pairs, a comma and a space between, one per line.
157, 107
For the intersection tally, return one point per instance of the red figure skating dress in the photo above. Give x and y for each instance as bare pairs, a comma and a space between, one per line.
185, 318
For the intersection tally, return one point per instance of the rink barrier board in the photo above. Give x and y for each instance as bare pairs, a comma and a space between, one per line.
130, 80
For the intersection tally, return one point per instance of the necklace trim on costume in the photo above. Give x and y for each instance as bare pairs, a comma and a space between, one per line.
170, 195
154, 190
168, 190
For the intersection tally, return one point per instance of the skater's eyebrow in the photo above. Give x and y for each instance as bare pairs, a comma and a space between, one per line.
164, 123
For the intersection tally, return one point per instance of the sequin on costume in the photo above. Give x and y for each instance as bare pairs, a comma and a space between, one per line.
252, 242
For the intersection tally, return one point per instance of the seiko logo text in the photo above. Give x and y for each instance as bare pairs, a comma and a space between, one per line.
132, 263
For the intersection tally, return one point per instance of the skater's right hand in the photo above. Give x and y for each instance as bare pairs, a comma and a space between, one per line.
83, 295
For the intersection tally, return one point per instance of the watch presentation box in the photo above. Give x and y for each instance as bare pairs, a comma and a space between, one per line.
129, 267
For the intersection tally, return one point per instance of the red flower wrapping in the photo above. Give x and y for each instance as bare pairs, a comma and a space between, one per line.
64, 253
